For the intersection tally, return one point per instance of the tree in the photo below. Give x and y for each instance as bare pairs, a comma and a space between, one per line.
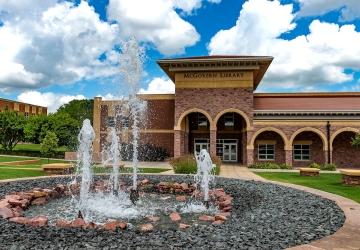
355, 142
65, 127
78, 109
33, 128
49, 145
11, 129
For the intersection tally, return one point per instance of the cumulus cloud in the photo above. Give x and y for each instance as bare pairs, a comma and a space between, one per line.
349, 9
156, 22
159, 85
48, 99
47, 42
306, 60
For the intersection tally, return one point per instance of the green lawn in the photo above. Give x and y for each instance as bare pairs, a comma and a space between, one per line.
17, 173
11, 158
33, 147
14, 158
326, 182
100, 170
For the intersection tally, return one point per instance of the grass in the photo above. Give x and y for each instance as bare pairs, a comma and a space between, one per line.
326, 182
100, 170
16, 173
33, 147
11, 158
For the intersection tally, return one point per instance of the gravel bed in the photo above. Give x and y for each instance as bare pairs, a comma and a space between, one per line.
264, 216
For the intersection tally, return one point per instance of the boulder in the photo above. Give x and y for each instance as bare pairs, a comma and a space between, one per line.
184, 186
4, 203
153, 218
6, 213
38, 194
220, 217
12, 197
206, 218
146, 227
183, 226
175, 217
63, 223
226, 209
38, 221
181, 198
39, 201
20, 220
218, 222
78, 223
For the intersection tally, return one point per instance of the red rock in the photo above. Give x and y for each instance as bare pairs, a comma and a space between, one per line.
38, 221
145, 182
60, 188
12, 197
225, 203
175, 216
220, 217
146, 227
184, 186
226, 214
6, 213
226, 209
122, 225
63, 223
206, 218
38, 194
17, 211
111, 226
78, 223
153, 218
181, 198
218, 222
39, 201
4, 203
26, 196
183, 226
20, 220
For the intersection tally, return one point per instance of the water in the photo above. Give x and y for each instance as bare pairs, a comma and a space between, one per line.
84, 161
204, 174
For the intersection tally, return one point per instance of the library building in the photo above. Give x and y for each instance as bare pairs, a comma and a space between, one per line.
215, 107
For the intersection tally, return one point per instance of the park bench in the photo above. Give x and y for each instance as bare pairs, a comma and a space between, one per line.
121, 166
58, 168
350, 176
309, 171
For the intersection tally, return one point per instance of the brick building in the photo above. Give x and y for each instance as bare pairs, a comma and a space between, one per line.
22, 108
215, 107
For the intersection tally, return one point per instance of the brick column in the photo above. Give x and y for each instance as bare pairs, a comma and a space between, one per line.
326, 156
250, 156
213, 142
288, 157
178, 145
97, 124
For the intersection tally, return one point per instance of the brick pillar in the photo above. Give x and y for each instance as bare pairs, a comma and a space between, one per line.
213, 142
178, 145
288, 157
250, 156
326, 156
97, 124
331, 156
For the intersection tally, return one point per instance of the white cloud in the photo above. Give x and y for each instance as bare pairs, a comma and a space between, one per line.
48, 99
349, 9
155, 21
159, 85
45, 42
307, 60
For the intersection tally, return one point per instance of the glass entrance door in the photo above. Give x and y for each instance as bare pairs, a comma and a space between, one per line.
230, 152
201, 144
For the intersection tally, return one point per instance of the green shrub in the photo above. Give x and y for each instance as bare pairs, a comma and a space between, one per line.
269, 165
186, 164
314, 165
328, 167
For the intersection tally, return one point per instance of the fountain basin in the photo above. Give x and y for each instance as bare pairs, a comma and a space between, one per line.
263, 216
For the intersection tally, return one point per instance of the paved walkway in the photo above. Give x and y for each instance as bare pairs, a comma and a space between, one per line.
346, 238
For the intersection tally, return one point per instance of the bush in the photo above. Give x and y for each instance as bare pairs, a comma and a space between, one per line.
314, 165
269, 165
186, 164
328, 167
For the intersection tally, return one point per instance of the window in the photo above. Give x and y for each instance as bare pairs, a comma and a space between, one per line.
266, 152
301, 152
229, 120
110, 121
202, 120
26, 114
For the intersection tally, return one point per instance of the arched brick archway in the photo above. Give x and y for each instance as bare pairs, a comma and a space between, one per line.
309, 145
190, 133
343, 154
233, 110
269, 145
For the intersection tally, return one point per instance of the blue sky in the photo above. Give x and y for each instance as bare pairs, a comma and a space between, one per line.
53, 55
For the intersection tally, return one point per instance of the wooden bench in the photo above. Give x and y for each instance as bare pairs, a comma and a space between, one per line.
58, 168
309, 171
121, 166
351, 176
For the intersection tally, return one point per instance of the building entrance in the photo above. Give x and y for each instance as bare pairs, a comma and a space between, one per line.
201, 144
227, 149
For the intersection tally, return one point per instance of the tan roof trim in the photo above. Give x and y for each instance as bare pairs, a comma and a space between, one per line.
13, 101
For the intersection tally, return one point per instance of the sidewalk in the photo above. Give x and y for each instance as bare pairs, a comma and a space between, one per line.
238, 172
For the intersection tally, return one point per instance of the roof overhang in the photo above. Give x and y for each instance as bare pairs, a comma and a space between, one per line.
257, 64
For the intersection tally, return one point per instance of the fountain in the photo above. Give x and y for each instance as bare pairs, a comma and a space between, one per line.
95, 211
